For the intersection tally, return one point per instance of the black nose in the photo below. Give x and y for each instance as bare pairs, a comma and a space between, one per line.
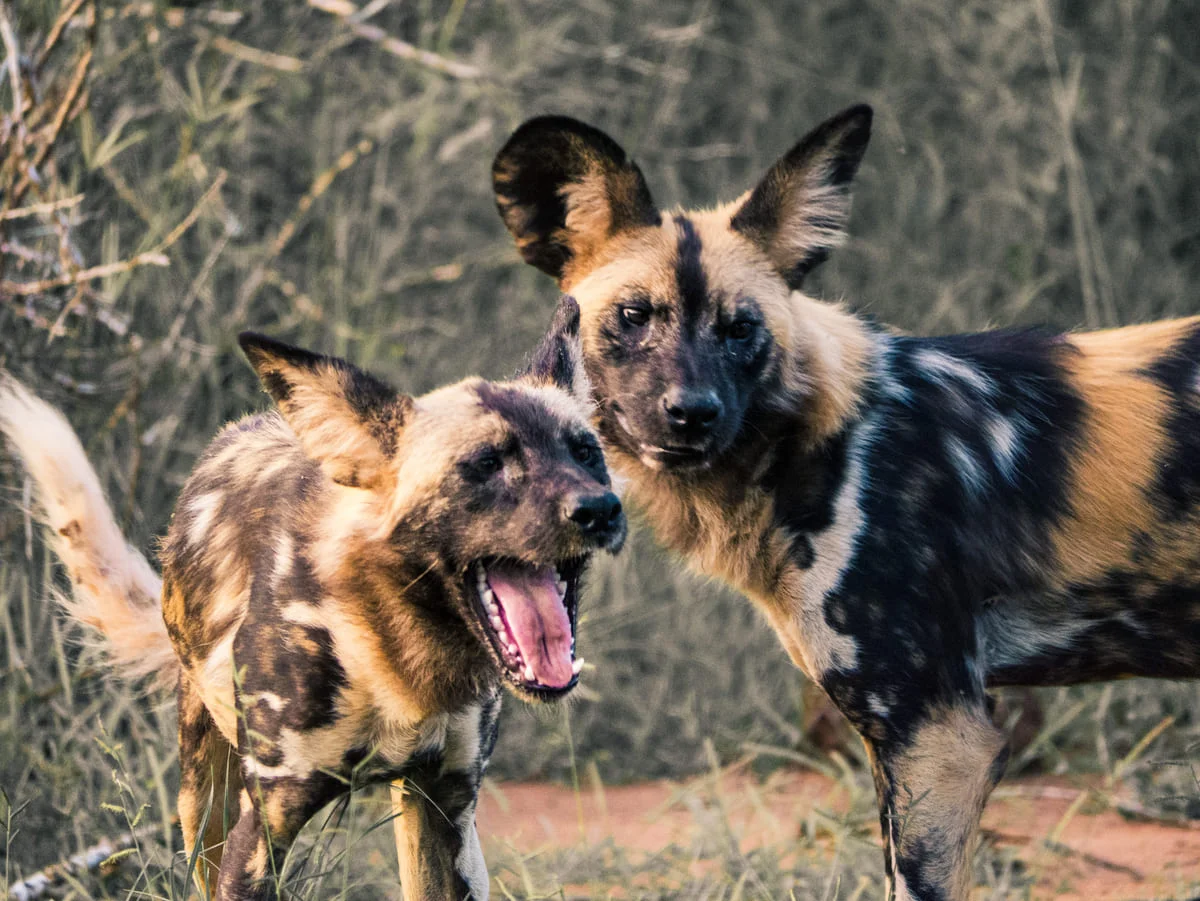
691, 410
597, 514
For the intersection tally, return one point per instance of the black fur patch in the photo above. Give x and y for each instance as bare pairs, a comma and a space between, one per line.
555, 358
690, 278
541, 158
1178, 372
947, 526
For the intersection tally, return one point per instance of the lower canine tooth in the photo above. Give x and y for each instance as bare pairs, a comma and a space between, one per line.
529, 676
562, 588
577, 665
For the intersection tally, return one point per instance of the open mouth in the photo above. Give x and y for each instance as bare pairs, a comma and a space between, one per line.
529, 613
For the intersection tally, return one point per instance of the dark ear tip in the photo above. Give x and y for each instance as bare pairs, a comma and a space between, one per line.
855, 120
566, 316
255, 345
553, 124
248, 340
258, 348
544, 137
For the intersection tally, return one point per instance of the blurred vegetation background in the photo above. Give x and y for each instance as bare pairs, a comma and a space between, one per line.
320, 171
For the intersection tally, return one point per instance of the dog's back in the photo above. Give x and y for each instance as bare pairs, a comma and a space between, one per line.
242, 517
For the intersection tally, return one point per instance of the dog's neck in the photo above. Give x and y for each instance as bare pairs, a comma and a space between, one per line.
724, 520
412, 635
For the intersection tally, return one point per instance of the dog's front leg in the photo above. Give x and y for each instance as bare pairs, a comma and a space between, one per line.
932, 787
439, 855
434, 811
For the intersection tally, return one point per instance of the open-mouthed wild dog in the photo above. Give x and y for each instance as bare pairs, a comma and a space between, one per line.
347, 582
918, 518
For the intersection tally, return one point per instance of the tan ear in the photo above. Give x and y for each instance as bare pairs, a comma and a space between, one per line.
798, 213
558, 360
345, 419
563, 188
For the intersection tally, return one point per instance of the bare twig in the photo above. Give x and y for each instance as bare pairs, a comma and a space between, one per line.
1067, 851
56, 30
190, 219
24, 289
347, 12
276, 61
87, 861
153, 257
319, 186
38, 209
1135, 810
13, 60
1094, 279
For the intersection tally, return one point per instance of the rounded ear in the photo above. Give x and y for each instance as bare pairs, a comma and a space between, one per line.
798, 213
345, 419
558, 360
563, 188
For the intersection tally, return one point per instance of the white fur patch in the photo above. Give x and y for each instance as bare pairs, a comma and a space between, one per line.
940, 365
284, 549
1005, 442
1009, 635
202, 511
470, 863
970, 472
462, 739
114, 589
833, 550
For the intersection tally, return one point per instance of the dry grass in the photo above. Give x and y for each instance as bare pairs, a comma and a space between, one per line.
320, 172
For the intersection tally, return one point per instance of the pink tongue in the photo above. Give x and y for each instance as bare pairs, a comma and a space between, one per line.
537, 619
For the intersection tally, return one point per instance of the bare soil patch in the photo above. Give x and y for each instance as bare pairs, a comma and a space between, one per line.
1074, 850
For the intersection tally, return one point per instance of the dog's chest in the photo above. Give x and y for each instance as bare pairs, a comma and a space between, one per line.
445, 742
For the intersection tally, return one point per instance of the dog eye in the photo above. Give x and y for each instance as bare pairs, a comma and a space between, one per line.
488, 464
585, 454
635, 316
742, 330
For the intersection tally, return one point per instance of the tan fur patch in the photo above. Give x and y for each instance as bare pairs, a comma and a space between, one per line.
942, 781
1116, 462
426, 865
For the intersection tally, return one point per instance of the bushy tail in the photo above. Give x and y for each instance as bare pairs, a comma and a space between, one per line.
114, 590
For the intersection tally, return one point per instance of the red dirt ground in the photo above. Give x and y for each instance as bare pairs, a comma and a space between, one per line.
1098, 856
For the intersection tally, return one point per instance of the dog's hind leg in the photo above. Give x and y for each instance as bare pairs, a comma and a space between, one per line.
932, 788
209, 786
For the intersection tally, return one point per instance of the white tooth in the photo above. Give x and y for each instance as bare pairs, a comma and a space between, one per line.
529, 677
562, 588
493, 609
487, 594
512, 649
577, 665
498, 623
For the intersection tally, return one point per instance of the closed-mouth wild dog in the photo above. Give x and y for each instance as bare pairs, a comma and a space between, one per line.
347, 581
918, 518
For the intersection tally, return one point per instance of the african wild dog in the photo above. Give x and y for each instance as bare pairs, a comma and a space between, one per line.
918, 518
347, 581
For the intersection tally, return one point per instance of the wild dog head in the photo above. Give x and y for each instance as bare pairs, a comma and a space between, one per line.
483, 500
690, 324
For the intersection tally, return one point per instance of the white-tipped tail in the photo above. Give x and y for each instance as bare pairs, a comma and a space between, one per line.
114, 590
